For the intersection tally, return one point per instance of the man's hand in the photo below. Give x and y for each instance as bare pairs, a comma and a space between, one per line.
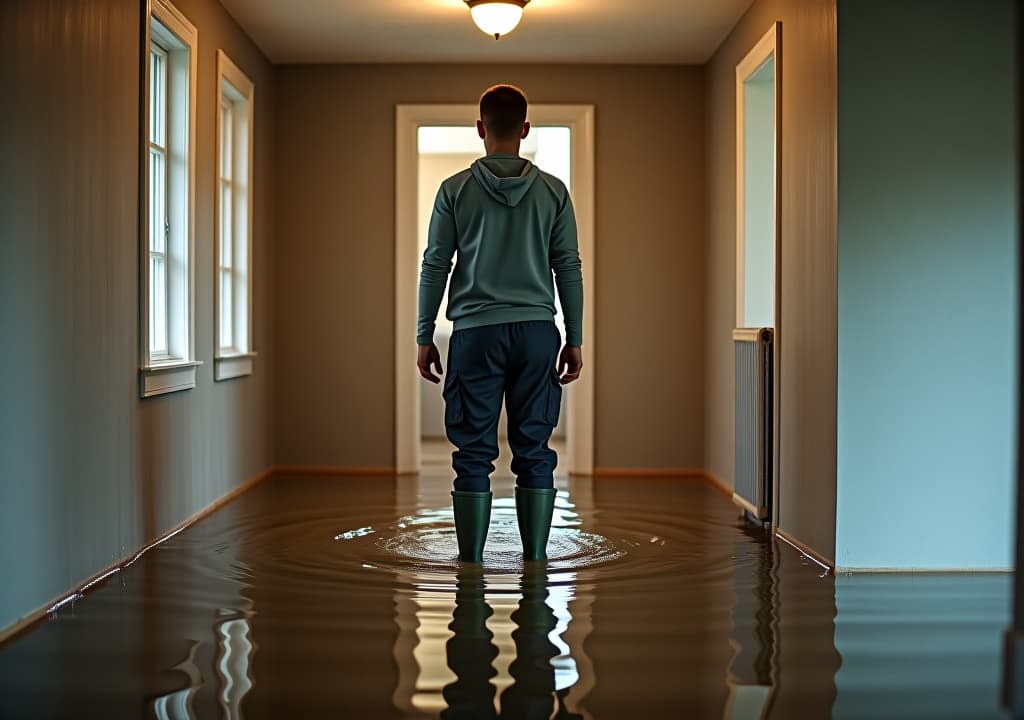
571, 359
429, 357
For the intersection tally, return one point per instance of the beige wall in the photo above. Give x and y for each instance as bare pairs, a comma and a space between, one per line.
335, 262
88, 470
807, 317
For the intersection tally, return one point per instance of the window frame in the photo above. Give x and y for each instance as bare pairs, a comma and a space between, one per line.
225, 201
238, 92
173, 369
768, 47
155, 48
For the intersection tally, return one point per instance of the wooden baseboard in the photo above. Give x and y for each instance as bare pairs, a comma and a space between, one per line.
817, 557
715, 482
337, 471
96, 580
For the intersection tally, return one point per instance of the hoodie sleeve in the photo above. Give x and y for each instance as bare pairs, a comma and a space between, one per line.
437, 264
565, 261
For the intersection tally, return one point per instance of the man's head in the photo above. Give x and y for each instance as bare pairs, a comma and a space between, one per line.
503, 115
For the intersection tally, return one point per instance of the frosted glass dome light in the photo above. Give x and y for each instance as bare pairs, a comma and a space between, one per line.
497, 17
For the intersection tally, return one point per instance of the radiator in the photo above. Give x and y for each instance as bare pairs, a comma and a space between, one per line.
754, 421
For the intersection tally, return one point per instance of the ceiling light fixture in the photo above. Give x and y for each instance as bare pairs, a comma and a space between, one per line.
497, 17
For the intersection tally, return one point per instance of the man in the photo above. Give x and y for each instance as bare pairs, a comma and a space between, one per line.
512, 226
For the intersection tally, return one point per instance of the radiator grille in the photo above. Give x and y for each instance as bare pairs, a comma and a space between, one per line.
754, 413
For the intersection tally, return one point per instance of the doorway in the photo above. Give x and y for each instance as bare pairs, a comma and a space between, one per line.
432, 143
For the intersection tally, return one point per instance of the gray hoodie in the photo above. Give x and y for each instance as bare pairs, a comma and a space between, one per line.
514, 230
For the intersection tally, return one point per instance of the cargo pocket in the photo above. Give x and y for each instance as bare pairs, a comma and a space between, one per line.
453, 413
554, 405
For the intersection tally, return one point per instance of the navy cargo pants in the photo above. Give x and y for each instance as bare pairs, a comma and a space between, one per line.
515, 361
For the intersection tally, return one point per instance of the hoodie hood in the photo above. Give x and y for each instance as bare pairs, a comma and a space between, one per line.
506, 178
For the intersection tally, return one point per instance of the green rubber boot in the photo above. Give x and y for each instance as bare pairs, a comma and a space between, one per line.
472, 519
534, 508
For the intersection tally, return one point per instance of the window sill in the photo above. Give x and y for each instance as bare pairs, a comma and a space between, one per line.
168, 377
232, 365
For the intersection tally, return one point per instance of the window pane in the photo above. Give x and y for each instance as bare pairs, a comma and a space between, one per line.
154, 60
226, 254
225, 138
157, 95
240, 283
226, 310
158, 305
157, 201
758, 236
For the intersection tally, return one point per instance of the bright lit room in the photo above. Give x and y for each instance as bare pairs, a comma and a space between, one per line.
510, 359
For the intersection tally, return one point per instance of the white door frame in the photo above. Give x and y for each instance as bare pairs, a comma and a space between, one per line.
408, 119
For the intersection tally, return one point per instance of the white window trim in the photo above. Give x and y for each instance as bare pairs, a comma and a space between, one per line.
767, 47
164, 376
237, 361
163, 151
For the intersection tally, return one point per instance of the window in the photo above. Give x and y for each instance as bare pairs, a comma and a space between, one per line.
168, 352
234, 221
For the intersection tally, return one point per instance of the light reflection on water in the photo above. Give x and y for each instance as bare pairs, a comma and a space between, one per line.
319, 598
487, 641
497, 642
490, 651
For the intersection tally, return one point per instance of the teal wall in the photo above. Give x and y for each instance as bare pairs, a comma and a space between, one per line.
927, 327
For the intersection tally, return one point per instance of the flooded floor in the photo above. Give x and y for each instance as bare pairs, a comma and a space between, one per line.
342, 598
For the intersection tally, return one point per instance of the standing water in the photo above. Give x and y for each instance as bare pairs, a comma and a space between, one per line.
343, 598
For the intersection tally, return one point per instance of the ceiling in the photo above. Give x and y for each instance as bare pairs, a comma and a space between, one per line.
552, 31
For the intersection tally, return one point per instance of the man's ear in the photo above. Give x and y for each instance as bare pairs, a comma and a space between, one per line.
480, 130
526, 131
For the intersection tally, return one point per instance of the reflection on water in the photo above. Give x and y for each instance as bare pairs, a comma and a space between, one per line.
503, 654
235, 648
177, 705
937, 658
322, 598
492, 640
750, 681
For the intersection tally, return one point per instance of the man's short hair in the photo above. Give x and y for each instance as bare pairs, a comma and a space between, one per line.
503, 111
